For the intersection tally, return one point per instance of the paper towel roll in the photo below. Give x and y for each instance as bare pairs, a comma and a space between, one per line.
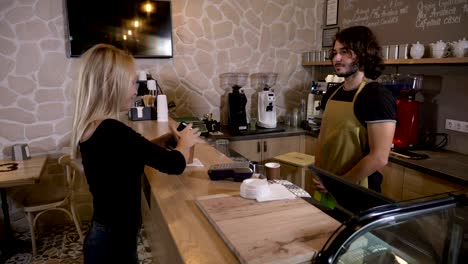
162, 108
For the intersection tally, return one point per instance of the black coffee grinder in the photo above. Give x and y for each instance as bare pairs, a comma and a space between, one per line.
237, 116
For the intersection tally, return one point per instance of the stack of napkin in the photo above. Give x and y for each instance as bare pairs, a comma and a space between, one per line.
262, 191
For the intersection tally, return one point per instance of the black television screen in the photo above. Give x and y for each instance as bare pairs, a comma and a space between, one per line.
143, 27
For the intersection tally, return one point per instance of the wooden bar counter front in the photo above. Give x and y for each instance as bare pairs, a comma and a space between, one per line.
178, 230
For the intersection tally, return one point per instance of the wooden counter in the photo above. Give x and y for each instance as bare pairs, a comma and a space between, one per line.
182, 234
178, 230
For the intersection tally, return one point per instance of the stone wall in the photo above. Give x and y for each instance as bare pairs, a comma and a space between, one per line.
210, 37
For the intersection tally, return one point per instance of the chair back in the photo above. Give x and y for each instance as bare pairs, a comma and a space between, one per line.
73, 172
35, 207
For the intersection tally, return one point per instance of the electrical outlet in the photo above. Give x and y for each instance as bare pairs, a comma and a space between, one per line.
449, 124
464, 127
456, 125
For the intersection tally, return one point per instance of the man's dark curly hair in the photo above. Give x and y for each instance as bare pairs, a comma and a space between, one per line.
363, 42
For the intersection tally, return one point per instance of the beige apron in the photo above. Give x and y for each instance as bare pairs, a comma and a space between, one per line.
343, 138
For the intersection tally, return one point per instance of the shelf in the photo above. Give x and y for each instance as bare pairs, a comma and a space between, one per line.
427, 61
404, 61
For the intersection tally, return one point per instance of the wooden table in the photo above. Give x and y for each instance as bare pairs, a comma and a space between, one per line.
17, 173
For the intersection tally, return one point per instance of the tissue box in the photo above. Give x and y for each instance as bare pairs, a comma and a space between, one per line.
142, 113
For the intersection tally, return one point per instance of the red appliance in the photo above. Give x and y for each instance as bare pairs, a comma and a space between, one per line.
407, 128
404, 87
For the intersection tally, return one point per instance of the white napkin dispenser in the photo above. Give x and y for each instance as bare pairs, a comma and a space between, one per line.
21, 152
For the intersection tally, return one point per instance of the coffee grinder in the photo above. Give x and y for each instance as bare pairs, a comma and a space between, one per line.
237, 117
266, 101
404, 88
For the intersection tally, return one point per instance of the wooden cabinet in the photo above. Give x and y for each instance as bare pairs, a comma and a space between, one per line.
418, 184
401, 183
265, 149
310, 145
393, 178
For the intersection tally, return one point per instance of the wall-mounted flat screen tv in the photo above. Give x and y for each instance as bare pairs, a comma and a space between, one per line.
143, 27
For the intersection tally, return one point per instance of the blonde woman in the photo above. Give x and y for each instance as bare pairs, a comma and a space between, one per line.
114, 155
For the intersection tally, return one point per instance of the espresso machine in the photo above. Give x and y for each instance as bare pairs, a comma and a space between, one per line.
237, 116
266, 101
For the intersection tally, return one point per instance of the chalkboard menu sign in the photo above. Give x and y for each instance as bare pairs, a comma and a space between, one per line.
407, 21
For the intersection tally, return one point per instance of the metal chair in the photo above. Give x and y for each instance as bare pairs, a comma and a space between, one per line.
48, 197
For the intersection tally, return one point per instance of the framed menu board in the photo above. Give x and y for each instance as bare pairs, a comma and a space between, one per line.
327, 36
407, 21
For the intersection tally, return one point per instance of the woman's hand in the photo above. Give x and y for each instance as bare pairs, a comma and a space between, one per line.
186, 138
319, 186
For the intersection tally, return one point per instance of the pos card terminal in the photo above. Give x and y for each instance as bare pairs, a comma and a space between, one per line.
237, 171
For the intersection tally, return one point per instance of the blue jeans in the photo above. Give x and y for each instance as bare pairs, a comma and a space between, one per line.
104, 244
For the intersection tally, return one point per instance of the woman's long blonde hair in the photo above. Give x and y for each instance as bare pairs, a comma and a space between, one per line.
105, 75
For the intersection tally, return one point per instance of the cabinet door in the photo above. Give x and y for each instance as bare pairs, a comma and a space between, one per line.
272, 147
393, 178
250, 149
310, 145
418, 184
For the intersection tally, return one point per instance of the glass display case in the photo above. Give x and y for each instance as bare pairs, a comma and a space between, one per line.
427, 230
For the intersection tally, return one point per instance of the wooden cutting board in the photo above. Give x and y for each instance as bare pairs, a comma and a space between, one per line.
287, 231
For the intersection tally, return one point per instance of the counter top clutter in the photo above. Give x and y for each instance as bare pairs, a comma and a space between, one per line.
197, 220
448, 165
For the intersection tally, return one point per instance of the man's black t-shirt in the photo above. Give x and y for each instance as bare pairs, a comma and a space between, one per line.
375, 103
113, 160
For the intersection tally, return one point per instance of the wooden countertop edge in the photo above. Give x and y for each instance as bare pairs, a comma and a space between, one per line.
195, 238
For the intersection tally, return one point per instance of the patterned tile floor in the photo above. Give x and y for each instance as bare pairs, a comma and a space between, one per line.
61, 245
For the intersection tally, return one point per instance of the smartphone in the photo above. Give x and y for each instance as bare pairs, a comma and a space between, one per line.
181, 126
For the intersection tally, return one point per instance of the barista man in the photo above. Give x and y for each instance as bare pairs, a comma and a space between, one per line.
359, 116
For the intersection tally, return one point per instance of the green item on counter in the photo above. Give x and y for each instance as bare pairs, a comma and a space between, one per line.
190, 119
325, 199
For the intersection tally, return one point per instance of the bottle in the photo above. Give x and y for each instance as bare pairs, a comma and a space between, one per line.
310, 102
295, 117
303, 115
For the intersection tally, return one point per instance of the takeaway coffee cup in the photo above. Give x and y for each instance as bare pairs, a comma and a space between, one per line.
161, 101
272, 170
